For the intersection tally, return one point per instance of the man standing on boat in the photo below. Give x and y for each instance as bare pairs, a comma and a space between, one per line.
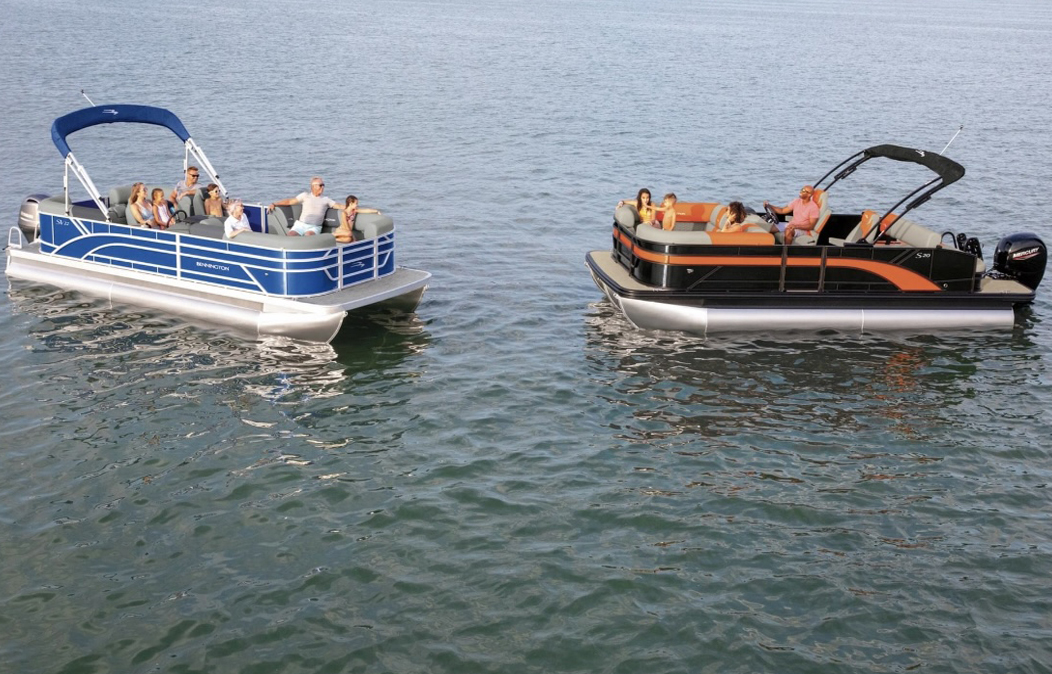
312, 216
804, 210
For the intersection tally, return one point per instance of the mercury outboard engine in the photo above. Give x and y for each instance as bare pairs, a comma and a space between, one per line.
1022, 257
29, 216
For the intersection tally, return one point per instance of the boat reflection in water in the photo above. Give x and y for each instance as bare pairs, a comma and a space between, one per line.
824, 396
371, 348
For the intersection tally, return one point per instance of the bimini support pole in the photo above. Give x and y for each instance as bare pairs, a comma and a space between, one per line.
85, 180
195, 149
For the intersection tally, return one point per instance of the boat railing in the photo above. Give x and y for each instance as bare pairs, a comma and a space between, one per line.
265, 263
15, 238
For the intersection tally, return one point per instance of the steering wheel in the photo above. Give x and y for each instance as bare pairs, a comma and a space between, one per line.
179, 215
770, 216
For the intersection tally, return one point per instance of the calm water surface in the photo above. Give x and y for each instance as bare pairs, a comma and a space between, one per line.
513, 479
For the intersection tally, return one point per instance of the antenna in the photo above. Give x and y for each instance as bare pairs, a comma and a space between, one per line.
951, 140
86, 96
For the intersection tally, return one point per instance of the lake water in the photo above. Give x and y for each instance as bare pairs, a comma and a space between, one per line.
513, 479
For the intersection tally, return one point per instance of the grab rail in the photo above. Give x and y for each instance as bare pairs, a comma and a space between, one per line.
19, 239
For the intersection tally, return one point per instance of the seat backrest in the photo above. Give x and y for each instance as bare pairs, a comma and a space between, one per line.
279, 221
864, 227
372, 225
119, 195
755, 223
823, 210
198, 202
912, 234
627, 215
332, 220
720, 213
115, 214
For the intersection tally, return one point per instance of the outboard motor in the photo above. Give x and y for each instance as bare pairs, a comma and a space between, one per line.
29, 216
1022, 257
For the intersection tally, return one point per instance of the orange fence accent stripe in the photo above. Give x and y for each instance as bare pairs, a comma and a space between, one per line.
903, 279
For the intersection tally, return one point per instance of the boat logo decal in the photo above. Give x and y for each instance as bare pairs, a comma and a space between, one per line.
1026, 254
209, 265
920, 152
109, 111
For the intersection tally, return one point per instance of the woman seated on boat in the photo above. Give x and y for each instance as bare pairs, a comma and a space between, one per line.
162, 215
139, 212
735, 221
237, 222
646, 210
345, 232
214, 202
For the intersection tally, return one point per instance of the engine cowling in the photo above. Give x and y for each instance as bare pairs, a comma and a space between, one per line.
29, 216
1022, 256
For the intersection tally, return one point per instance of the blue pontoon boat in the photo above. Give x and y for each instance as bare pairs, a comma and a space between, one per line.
262, 282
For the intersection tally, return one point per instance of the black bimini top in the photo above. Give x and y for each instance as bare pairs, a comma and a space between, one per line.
949, 170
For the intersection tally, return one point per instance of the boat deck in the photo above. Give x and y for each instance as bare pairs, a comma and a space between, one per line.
605, 262
402, 281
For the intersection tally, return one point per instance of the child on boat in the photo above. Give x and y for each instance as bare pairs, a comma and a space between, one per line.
214, 202
668, 205
162, 216
344, 233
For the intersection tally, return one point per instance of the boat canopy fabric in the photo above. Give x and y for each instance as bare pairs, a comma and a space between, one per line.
949, 170
112, 114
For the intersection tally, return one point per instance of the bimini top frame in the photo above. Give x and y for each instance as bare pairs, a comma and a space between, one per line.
947, 172
70, 123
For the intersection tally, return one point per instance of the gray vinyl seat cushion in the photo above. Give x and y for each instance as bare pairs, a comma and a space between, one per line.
910, 233
117, 199
626, 216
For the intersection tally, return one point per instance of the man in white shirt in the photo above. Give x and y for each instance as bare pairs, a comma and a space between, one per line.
312, 217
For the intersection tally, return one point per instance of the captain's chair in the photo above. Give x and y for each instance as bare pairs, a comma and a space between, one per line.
864, 227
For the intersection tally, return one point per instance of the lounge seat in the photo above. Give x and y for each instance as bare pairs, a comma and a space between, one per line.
117, 201
626, 216
752, 237
366, 225
694, 216
720, 212
912, 234
210, 227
